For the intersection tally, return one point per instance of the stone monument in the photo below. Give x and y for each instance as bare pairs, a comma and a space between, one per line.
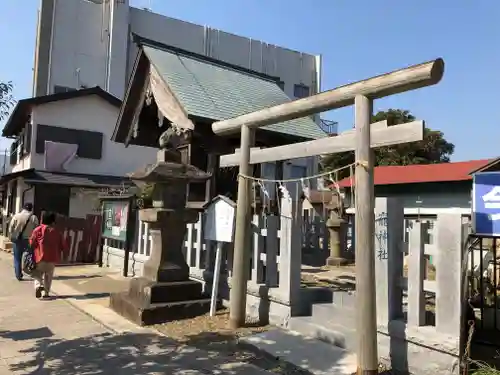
336, 225
165, 292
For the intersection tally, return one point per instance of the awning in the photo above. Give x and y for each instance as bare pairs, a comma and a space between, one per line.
32, 176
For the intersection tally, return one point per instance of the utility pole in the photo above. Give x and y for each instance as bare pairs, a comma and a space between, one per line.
366, 307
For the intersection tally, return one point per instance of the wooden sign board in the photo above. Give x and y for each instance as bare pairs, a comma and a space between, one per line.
219, 218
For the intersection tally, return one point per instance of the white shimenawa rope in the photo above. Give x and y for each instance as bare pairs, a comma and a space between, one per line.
259, 181
302, 179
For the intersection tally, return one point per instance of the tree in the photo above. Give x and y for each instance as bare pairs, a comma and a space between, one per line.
431, 150
6, 99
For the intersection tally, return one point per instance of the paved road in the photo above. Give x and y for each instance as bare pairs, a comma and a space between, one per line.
54, 337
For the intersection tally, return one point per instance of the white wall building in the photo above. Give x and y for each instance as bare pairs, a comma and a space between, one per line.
89, 43
84, 118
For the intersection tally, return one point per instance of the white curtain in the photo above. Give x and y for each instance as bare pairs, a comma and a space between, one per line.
59, 155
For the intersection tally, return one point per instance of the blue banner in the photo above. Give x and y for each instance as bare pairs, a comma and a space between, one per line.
486, 203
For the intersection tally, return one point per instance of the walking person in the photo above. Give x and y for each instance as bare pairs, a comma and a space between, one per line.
48, 244
21, 226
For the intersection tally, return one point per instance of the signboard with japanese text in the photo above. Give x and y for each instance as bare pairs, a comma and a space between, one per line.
486, 203
115, 219
219, 220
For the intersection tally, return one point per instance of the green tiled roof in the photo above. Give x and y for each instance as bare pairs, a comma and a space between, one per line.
217, 92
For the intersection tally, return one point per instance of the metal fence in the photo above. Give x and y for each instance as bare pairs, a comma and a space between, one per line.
483, 274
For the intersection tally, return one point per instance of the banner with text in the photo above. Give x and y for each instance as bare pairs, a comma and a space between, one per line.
486, 203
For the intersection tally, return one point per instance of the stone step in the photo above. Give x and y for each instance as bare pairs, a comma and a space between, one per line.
332, 334
166, 292
330, 313
305, 352
187, 303
344, 298
325, 295
144, 313
313, 295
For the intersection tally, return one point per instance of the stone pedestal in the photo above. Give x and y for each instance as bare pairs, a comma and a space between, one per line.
335, 227
165, 292
167, 229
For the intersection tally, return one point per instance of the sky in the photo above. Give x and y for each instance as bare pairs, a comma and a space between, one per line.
356, 38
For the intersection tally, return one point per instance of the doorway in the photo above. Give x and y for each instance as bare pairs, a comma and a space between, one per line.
11, 209
51, 197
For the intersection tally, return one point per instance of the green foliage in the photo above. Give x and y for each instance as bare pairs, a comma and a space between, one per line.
432, 149
482, 368
6, 99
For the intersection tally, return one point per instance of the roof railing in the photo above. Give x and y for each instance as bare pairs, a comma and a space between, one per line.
330, 127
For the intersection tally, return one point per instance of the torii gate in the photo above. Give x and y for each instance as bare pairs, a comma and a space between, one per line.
362, 140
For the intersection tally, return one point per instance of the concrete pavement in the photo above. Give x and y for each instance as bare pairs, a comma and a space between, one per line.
58, 337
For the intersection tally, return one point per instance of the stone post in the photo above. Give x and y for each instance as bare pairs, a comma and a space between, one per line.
448, 274
416, 276
290, 256
389, 223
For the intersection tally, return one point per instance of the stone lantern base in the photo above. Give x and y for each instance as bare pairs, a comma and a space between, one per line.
336, 262
148, 303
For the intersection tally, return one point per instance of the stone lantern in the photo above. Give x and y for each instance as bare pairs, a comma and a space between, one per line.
165, 291
336, 225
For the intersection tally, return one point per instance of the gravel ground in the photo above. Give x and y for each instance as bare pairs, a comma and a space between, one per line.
213, 335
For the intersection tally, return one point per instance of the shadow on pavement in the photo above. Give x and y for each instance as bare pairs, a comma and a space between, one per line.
82, 296
75, 277
28, 334
131, 354
227, 344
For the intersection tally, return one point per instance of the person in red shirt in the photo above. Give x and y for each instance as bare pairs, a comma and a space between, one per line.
48, 244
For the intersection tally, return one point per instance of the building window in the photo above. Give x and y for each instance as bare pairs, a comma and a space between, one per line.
90, 143
24, 141
62, 89
13, 152
21, 145
301, 91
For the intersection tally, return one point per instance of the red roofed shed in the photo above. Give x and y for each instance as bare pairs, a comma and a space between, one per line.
426, 189
423, 173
